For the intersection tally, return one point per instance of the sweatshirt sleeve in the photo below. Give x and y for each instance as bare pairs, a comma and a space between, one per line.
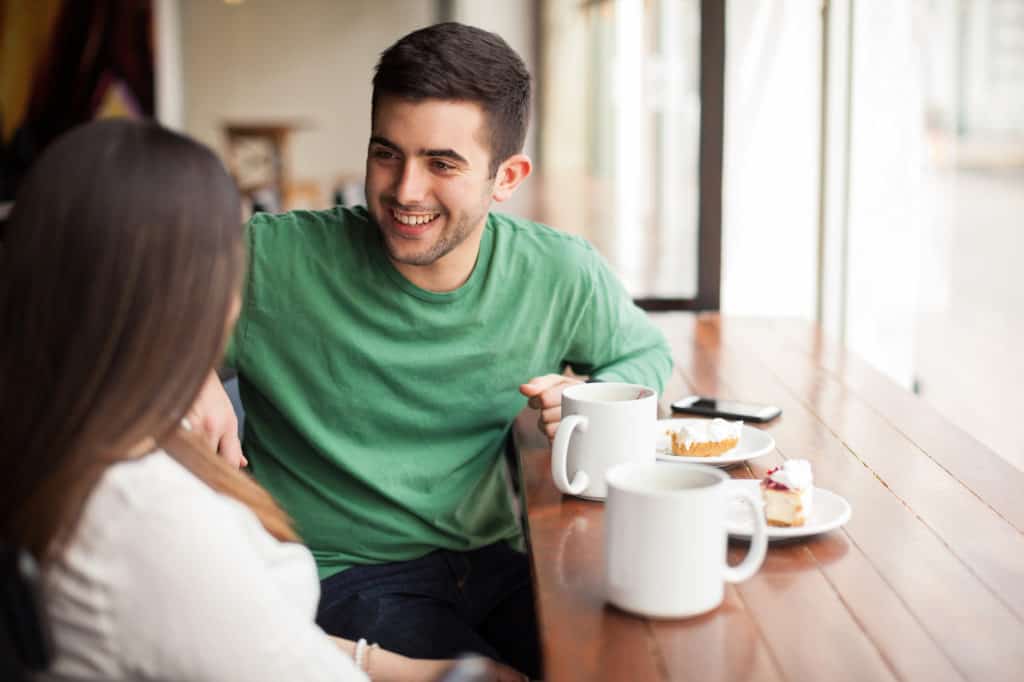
614, 340
233, 352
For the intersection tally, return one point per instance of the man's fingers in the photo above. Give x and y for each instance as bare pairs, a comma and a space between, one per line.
208, 430
548, 427
224, 441
553, 396
231, 450
538, 385
552, 414
213, 419
552, 393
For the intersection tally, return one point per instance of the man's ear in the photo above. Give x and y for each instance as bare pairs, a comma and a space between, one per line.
511, 173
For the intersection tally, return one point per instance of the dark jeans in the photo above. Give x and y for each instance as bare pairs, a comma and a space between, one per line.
439, 605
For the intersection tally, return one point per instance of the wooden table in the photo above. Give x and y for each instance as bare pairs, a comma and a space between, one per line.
926, 581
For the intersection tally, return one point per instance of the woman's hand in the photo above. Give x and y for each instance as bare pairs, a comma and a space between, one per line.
387, 666
477, 669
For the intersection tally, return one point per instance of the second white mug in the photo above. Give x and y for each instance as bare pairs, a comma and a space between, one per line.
665, 538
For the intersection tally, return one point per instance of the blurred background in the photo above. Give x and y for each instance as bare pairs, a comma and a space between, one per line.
855, 162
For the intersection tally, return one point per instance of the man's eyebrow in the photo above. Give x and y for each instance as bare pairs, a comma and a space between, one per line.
384, 142
443, 153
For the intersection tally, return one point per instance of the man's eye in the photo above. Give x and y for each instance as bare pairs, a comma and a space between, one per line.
382, 154
442, 166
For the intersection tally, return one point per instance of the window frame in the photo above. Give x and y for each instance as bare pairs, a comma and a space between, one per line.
712, 134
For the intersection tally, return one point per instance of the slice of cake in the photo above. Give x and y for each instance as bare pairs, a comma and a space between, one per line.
705, 439
788, 493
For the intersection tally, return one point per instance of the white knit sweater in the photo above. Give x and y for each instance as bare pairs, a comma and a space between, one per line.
166, 579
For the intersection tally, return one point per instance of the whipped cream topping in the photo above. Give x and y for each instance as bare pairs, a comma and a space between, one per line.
709, 432
794, 474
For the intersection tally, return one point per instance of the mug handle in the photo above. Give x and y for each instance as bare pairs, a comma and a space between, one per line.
560, 453
758, 544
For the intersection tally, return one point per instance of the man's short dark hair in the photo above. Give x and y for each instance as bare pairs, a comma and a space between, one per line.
452, 61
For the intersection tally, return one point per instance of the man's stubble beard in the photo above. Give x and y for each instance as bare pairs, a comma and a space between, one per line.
446, 242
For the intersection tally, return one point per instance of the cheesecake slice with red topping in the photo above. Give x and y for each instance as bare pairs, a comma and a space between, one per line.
788, 493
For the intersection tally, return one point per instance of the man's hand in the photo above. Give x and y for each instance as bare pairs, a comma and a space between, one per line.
213, 417
545, 394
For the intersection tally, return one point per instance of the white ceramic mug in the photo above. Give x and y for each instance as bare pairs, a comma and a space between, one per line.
603, 424
666, 538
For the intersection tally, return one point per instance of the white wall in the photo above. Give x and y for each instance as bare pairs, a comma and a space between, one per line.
310, 60
170, 83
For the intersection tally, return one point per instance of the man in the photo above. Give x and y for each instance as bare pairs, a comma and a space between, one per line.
381, 355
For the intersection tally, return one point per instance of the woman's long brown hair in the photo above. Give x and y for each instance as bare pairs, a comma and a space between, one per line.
123, 258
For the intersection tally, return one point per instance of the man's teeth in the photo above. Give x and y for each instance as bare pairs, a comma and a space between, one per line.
418, 219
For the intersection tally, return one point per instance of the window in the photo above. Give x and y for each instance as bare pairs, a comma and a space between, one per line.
630, 145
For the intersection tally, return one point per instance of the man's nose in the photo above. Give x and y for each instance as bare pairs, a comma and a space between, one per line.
412, 184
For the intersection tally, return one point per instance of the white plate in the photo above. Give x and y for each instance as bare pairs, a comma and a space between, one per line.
830, 512
753, 443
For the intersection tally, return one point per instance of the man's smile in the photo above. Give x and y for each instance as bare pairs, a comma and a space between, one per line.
412, 224
408, 218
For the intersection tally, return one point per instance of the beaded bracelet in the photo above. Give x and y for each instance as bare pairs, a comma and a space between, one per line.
366, 659
360, 654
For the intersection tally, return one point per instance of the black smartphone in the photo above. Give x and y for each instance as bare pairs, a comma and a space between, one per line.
728, 409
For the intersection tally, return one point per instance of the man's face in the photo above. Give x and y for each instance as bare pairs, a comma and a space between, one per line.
427, 179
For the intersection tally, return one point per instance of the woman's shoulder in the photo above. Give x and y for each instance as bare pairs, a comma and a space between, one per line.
155, 545
144, 482
153, 493
153, 501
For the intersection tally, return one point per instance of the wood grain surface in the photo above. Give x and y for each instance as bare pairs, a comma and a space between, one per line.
925, 582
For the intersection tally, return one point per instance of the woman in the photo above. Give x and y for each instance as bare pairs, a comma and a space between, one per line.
120, 284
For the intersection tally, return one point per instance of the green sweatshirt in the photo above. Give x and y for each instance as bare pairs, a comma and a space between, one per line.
376, 410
